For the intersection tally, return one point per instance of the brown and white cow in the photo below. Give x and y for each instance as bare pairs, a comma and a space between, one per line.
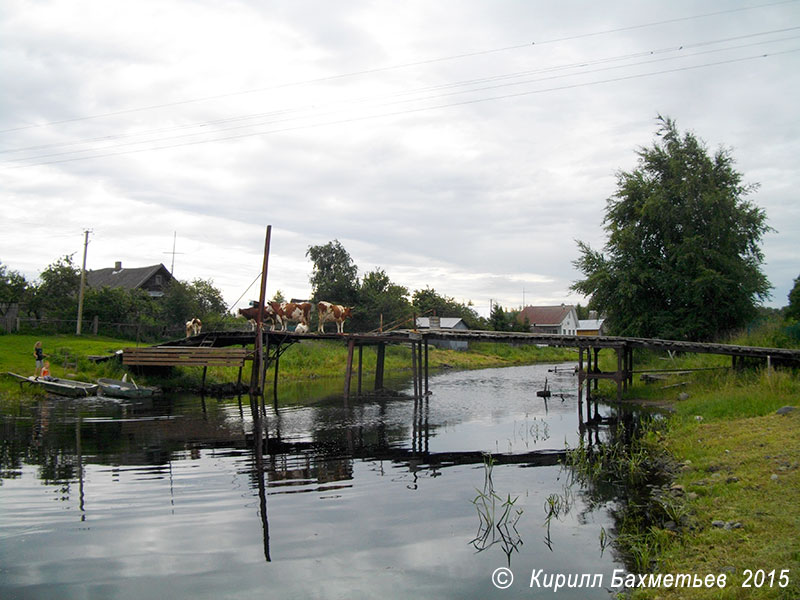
296, 312
332, 312
193, 327
270, 316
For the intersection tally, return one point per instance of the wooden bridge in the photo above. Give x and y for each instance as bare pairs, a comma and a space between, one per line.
217, 347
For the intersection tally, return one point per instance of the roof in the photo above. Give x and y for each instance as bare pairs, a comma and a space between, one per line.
129, 279
590, 324
545, 315
446, 322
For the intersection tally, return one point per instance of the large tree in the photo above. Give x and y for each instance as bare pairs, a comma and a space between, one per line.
381, 301
429, 302
334, 277
683, 259
56, 293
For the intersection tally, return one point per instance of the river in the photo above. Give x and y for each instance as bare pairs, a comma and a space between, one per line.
385, 497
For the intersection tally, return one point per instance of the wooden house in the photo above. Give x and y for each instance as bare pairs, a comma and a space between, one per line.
152, 279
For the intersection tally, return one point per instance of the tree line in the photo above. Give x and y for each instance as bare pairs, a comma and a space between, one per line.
54, 296
378, 302
682, 261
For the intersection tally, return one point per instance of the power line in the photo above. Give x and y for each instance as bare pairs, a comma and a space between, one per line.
395, 113
472, 82
398, 66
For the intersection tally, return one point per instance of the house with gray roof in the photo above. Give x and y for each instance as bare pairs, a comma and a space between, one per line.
446, 324
152, 279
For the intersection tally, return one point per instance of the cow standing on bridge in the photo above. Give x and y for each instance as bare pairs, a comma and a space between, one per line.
296, 312
270, 315
193, 327
332, 312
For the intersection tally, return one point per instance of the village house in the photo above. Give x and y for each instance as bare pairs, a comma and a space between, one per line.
559, 320
591, 326
446, 324
152, 279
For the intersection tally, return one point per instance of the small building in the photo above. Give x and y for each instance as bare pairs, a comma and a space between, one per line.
559, 320
591, 327
445, 324
152, 279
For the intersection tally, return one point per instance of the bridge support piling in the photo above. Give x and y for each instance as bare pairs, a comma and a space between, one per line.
414, 372
348, 373
379, 362
581, 377
427, 391
360, 365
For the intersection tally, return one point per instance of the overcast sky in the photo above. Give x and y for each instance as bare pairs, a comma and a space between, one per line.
460, 145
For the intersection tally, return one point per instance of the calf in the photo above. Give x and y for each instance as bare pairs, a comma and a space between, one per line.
298, 312
332, 312
193, 327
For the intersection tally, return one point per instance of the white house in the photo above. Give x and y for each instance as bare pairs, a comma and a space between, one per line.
560, 320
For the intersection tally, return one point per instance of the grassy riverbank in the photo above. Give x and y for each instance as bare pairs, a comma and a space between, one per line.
309, 360
737, 486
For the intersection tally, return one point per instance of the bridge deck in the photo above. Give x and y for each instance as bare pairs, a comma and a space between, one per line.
242, 338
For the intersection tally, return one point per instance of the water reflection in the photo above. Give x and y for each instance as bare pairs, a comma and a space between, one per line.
384, 485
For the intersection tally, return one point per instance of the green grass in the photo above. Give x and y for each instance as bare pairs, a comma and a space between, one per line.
16, 355
300, 364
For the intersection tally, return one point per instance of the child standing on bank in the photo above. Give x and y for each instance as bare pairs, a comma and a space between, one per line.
38, 355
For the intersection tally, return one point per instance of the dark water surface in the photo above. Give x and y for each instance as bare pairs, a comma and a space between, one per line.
373, 499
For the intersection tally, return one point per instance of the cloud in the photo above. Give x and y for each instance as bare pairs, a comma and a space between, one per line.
357, 123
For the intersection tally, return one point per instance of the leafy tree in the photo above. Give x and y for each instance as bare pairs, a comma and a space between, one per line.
428, 301
176, 304
207, 300
183, 301
110, 305
12, 288
682, 260
793, 310
56, 293
377, 297
334, 276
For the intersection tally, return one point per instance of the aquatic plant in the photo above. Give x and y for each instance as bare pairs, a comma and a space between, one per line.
497, 517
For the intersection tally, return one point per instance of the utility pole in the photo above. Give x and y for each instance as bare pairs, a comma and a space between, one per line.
174, 241
83, 281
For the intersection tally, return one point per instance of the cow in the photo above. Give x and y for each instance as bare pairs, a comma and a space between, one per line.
298, 312
301, 328
270, 315
333, 312
193, 327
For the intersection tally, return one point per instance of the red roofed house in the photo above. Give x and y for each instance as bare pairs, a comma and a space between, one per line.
561, 320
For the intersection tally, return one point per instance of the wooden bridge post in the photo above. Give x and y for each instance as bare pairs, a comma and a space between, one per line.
414, 368
426, 367
258, 358
360, 364
349, 368
619, 374
381, 356
580, 378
